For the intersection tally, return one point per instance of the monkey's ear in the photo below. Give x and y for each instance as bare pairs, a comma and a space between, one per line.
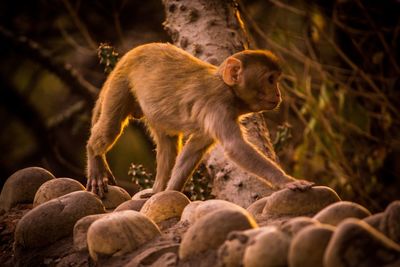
232, 73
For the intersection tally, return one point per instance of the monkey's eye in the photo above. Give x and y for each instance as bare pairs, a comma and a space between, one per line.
271, 79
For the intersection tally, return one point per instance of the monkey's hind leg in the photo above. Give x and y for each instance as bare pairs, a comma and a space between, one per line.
187, 161
112, 115
167, 149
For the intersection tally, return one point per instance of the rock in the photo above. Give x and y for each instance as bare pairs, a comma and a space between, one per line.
210, 231
269, 248
115, 196
143, 194
293, 203
257, 207
230, 254
375, 220
189, 212
209, 206
81, 228
56, 188
337, 212
308, 246
55, 219
119, 233
132, 204
295, 225
355, 243
390, 224
388, 221
21, 186
165, 205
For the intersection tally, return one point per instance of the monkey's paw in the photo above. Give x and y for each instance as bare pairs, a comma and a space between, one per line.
98, 184
301, 185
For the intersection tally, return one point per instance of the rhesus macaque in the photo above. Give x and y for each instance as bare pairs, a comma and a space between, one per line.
179, 94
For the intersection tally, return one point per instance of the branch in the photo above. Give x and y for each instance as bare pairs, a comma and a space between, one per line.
64, 71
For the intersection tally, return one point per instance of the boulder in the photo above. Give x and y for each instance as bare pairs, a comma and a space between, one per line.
337, 212
293, 203
390, 224
114, 197
211, 230
308, 246
231, 252
143, 194
189, 212
388, 221
355, 243
81, 228
55, 188
295, 225
132, 204
119, 233
55, 219
21, 186
268, 249
165, 205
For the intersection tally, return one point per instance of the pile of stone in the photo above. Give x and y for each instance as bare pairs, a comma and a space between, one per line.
287, 228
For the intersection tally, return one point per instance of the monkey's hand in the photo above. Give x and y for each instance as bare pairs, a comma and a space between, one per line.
301, 185
98, 182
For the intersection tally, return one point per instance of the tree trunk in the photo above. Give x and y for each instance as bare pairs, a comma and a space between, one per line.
212, 30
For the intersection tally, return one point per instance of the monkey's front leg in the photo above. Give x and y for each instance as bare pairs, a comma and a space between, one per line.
187, 160
99, 175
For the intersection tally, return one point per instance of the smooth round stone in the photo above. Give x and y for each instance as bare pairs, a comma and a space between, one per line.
337, 212
210, 231
119, 233
132, 204
56, 188
295, 225
212, 205
21, 186
165, 205
55, 219
355, 243
230, 254
293, 203
81, 228
143, 194
268, 249
308, 246
189, 212
114, 197
390, 224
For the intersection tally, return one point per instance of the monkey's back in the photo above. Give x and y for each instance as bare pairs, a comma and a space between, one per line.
168, 83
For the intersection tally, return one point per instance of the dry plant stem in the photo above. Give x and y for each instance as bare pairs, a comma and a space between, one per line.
212, 31
79, 24
64, 71
380, 36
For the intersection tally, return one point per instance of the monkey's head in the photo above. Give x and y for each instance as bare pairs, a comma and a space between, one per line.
253, 76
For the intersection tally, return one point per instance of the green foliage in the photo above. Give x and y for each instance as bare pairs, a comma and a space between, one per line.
108, 56
341, 95
283, 137
198, 188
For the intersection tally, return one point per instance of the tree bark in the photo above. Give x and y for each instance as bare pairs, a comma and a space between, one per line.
212, 30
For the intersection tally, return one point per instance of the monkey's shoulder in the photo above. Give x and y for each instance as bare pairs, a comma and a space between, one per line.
162, 52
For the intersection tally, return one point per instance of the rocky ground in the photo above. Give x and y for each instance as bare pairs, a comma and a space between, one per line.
48, 221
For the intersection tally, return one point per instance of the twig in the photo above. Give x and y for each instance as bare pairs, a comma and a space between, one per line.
81, 27
64, 71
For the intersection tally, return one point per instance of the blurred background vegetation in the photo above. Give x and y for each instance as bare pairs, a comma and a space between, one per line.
340, 117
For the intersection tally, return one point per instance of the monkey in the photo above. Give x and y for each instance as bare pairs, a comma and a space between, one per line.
179, 95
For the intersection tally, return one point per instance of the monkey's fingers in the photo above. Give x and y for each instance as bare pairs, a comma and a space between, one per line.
89, 185
97, 189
